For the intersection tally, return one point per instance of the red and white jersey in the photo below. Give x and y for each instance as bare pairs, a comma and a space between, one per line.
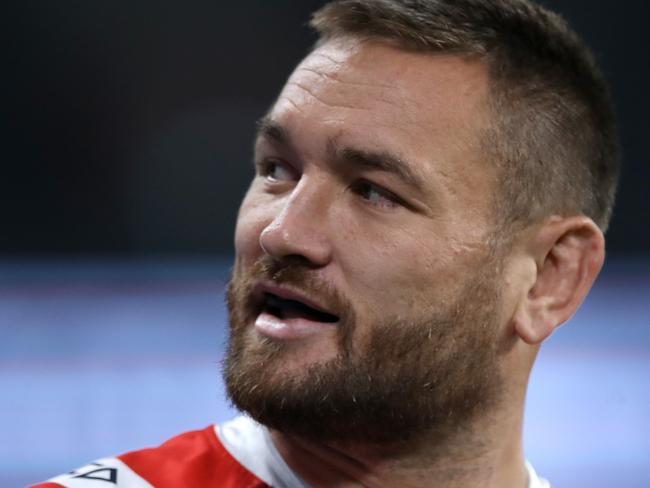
237, 454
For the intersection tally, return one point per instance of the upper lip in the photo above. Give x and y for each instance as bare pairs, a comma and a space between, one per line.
261, 288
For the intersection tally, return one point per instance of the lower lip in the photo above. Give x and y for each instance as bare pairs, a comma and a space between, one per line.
271, 326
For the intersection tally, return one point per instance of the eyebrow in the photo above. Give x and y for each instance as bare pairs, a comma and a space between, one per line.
268, 127
381, 160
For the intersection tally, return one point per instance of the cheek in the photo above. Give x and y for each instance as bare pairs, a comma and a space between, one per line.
251, 221
389, 270
400, 269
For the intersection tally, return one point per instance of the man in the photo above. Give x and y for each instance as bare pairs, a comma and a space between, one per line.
432, 186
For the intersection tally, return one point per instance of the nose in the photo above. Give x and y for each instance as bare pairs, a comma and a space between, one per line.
300, 229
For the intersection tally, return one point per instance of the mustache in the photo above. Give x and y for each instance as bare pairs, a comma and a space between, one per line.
292, 271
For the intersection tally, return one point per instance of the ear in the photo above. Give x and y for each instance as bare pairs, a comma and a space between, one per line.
568, 254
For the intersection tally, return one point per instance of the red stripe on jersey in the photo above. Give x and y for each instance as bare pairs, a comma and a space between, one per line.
47, 485
191, 459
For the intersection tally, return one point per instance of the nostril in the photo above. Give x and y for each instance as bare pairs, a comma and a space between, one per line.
301, 228
270, 239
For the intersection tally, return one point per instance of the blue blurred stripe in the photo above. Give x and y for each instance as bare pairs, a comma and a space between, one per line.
97, 358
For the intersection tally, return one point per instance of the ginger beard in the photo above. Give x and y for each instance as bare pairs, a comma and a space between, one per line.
431, 372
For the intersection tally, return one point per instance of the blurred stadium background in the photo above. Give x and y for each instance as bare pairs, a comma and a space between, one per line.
126, 149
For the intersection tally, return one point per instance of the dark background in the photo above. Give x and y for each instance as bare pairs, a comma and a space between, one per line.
128, 125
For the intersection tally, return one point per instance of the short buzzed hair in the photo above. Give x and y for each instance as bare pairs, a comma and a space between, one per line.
554, 140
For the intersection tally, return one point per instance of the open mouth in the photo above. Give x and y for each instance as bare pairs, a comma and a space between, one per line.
283, 308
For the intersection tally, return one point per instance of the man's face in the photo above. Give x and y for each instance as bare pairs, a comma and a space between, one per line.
364, 289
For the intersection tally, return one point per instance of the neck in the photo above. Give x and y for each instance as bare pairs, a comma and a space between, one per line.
483, 456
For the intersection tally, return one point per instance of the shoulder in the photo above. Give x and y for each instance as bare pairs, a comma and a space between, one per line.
195, 458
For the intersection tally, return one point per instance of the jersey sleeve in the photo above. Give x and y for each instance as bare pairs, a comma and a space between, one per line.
192, 459
103, 473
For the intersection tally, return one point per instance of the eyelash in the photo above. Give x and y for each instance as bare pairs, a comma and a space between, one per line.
265, 168
360, 187
389, 200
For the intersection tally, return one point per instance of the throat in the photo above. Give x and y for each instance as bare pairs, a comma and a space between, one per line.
323, 465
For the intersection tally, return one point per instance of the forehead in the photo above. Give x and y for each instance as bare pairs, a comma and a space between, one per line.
348, 75
427, 108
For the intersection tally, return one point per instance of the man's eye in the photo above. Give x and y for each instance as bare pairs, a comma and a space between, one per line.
277, 171
376, 195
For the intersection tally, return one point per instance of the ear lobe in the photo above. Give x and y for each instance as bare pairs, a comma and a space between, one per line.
569, 253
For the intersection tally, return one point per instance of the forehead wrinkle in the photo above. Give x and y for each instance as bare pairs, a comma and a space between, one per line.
334, 77
363, 102
312, 93
318, 53
318, 80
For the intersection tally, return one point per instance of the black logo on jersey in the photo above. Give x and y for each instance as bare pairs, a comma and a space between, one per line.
109, 475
